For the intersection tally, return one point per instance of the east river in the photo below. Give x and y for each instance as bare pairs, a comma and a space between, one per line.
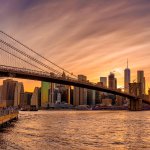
78, 130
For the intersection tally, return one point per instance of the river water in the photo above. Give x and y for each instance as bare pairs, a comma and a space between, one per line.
78, 130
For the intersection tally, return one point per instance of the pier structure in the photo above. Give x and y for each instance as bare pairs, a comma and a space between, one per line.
7, 116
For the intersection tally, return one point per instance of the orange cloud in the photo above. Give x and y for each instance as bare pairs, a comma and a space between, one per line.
88, 37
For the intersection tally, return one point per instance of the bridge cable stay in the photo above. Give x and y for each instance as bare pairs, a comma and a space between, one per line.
12, 54
11, 47
22, 59
38, 54
8, 59
31, 58
26, 55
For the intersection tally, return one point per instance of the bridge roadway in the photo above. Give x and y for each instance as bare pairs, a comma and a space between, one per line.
22, 73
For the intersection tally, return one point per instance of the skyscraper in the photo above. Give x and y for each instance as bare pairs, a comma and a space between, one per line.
35, 97
64, 90
126, 79
51, 93
80, 94
69, 94
18, 90
115, 83
112, 81
45, 86
1, 102
148, 94
91, 97
82, 91
8, 92
141, 79
104, 81
76, 97
25, 99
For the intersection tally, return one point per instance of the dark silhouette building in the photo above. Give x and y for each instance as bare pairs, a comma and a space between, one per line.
8, 92
25, 99
126, 79
112, 81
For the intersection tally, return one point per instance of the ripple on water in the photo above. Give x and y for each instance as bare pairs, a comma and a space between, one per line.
73, 130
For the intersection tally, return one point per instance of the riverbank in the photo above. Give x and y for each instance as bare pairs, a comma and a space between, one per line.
94, 108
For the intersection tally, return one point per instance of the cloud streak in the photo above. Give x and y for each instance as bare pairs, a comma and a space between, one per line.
89, 37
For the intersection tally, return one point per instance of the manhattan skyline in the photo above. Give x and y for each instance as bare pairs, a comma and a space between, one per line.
92, 38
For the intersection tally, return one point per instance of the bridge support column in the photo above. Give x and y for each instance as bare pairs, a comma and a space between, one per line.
135, 105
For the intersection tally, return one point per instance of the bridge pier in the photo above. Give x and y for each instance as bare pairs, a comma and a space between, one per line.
135, 105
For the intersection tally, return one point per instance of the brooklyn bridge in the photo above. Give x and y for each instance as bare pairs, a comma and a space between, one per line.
20, 61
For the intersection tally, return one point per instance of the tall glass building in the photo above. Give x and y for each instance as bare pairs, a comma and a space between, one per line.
126, 79
45, 86
141, 80
104, 81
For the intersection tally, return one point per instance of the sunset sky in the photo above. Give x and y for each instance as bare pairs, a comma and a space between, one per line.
90, 37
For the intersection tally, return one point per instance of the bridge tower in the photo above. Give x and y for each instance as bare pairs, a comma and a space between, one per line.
135, 89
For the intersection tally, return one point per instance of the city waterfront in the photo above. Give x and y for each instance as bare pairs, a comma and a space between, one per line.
85, 130
74, 75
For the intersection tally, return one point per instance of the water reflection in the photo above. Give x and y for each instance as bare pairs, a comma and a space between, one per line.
88, 130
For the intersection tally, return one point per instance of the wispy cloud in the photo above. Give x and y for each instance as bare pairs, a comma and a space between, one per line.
84, 36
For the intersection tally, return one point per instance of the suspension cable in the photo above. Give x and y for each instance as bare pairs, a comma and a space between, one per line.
26, 55
38, 54
22, 59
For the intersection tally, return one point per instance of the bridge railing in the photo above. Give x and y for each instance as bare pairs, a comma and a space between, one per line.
45, 74
25, 70
14, 70
35, 72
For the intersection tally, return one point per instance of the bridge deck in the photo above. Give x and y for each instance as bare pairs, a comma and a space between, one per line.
6, 71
